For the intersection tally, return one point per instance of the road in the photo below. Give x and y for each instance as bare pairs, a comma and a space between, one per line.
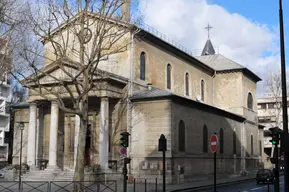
251, 186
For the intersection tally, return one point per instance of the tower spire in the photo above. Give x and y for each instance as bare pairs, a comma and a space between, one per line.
208, 49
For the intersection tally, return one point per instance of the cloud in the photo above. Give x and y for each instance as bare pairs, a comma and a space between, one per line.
248, 42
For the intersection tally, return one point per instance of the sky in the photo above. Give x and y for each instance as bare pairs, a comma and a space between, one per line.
243, 30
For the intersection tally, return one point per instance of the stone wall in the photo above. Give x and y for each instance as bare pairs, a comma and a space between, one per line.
157, 60
194, 161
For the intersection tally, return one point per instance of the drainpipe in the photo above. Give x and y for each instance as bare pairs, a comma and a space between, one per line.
213, 88
129, 103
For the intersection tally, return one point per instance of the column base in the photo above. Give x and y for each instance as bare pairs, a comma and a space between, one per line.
52, 168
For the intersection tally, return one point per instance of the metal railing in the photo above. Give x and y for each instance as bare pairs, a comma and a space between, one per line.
57, 186
145, 27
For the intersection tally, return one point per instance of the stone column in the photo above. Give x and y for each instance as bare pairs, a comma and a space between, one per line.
76, 133
53, 136
39, 135
31, 141
103, 133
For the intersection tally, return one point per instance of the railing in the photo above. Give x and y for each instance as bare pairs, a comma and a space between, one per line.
57, 186
196, 52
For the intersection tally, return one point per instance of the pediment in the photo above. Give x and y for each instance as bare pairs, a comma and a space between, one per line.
53, 74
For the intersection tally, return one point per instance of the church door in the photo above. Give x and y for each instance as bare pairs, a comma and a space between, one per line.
87, 145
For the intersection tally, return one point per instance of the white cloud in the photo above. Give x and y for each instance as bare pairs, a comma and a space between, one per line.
249, 43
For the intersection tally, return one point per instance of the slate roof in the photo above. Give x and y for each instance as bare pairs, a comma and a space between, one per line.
221, 63
153, 93
156, 93
208, 49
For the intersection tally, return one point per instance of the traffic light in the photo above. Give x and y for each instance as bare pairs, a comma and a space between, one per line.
124, 140
275, 134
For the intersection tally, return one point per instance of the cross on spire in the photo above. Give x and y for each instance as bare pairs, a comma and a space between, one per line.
209, 27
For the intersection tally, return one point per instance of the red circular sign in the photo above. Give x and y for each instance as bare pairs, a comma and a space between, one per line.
214, 143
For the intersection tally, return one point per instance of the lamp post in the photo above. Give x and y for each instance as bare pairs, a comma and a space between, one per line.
284, 97
21, 127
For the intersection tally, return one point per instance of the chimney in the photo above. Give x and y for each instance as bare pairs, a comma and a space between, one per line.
125, 11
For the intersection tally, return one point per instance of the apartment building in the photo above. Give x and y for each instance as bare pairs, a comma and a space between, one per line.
269, 115
5, 98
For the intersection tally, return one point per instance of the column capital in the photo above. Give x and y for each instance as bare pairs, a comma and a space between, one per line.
54, 102
33, 103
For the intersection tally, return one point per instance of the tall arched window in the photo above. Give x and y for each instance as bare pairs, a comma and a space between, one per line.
187, 84
203, 90
142, 65
182, 136
221, 141
169, 69
234, 143
252, 145
250, 101
205, 139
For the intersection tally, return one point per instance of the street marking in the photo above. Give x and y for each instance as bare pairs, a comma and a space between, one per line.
254, 189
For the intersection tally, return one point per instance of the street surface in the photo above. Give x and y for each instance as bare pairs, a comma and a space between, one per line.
246, 187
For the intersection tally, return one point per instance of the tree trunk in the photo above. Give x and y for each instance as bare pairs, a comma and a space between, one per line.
79, 168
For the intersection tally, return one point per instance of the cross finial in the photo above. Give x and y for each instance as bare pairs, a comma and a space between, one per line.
209, 27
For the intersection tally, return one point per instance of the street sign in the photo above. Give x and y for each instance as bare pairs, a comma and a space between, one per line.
214, 143
122, 151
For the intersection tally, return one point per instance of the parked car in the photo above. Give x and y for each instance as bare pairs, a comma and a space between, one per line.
264, 176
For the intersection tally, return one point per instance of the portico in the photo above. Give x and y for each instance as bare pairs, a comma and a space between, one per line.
53, 134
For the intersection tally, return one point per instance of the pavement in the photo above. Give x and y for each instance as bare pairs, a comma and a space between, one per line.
250, 186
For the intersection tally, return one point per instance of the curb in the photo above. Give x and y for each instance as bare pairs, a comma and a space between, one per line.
211, 186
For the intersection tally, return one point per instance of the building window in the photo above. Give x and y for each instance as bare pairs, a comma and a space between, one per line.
182, 136
187, 84
205, 139
142, 65
203, 90
260, 148
221, 141
234, 143
169, 68
250, 101
262, 106
270, 105
252, 145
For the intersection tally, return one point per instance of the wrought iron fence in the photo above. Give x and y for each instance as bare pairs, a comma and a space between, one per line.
58, 186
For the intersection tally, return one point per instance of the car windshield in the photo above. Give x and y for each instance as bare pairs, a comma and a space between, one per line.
264, 171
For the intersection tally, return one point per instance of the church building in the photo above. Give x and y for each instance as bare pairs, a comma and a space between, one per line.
186, 97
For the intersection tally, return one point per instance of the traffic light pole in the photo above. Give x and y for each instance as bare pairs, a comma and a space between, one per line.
276, 180
284, 96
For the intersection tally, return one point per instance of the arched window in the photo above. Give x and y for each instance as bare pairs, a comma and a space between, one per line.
182, 136
221, 141
205, 139
250, 101
252, 145
187, 84
234, 143
142, 65
169, 68
203, 90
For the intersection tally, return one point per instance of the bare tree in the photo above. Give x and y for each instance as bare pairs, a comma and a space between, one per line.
273, 87
78, 35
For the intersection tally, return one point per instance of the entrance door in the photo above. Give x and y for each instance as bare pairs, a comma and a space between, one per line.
87, 145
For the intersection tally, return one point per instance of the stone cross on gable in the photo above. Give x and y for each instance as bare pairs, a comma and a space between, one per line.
209, 27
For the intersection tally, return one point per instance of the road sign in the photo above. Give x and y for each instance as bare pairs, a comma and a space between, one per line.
214, 143
122, 151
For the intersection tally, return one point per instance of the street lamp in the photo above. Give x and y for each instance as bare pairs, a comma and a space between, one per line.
21, 127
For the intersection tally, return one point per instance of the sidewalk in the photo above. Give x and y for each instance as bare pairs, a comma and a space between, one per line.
196, 184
